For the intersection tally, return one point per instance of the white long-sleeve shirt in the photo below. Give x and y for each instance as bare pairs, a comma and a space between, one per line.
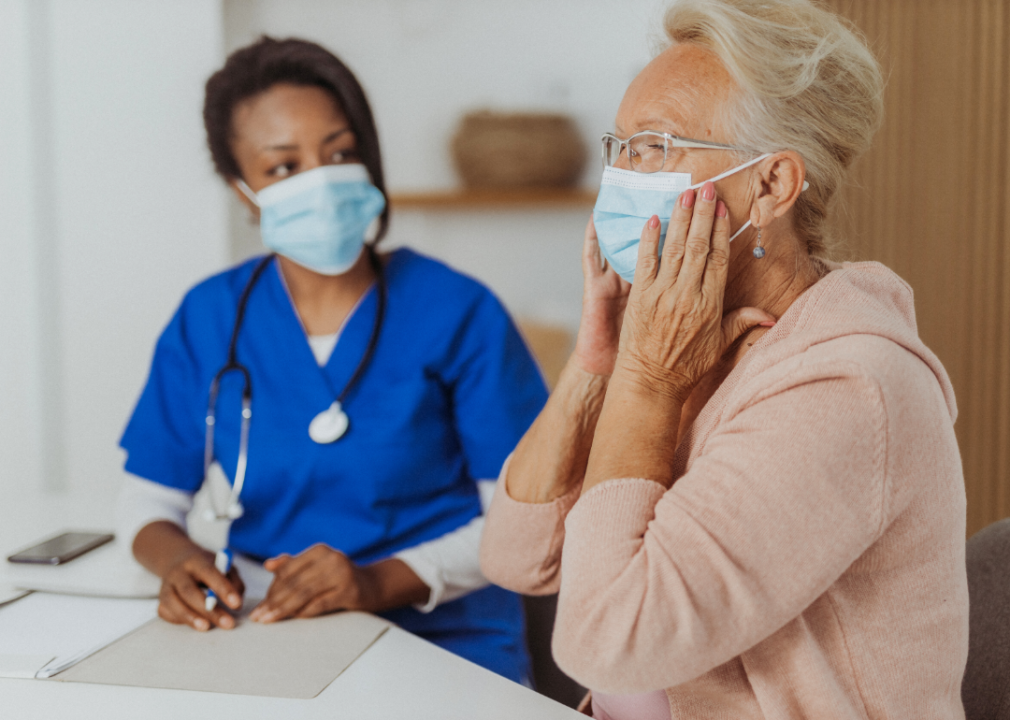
449, 565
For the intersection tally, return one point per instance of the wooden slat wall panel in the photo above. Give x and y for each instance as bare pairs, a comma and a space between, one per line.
1002, 385
932, 201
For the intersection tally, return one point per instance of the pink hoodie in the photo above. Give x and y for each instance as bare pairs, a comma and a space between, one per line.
809, 560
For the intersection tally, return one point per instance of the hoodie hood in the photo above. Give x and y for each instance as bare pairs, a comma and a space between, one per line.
863, 298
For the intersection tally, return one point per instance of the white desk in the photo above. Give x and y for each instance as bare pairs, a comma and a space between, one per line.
400, 676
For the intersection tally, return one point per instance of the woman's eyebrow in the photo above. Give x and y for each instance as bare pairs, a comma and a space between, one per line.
663, 124
335, 134
294, 146
653, 124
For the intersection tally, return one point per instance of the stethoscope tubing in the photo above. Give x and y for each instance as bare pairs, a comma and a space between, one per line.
234, 508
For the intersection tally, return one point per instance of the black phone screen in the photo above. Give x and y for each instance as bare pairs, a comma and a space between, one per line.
61, 548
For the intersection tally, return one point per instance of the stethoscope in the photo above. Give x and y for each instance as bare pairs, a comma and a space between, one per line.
326, 427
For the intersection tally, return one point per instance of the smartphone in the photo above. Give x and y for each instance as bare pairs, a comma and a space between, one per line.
61, 548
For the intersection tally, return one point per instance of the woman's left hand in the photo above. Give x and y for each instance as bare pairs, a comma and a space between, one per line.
315, 582
674, 329
322, 580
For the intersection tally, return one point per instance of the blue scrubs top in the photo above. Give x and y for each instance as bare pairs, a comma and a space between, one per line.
448, 394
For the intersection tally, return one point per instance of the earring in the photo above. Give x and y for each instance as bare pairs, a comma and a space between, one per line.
759, 252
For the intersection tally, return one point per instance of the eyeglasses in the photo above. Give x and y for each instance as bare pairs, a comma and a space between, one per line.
648, 150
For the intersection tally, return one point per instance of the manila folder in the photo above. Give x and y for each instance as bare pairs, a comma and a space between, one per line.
287, 659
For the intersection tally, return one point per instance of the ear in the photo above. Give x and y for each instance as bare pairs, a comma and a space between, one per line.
243, 198
781, 177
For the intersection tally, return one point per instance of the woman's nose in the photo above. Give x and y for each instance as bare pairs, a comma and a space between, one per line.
311, 162
622, 160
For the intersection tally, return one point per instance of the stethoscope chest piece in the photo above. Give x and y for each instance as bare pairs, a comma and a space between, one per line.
329, 425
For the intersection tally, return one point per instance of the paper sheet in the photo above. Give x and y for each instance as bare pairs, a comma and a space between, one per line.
42, 634
257, 579
22, 667
288, 659
9, 593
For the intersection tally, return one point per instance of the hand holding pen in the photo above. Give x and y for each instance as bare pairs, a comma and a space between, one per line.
193, 571
222, 562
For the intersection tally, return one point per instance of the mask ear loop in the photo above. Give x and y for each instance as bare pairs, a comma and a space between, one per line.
732, 171
726, 174
742, 228
247, 192
737, 169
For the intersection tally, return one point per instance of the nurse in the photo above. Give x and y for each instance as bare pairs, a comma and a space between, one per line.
358, 402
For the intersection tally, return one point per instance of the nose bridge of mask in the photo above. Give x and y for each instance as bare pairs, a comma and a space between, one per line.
304, 181
661, 181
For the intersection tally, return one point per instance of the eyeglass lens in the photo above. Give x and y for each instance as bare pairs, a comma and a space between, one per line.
646, 151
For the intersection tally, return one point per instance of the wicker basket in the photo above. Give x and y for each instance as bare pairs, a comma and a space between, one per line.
511, 150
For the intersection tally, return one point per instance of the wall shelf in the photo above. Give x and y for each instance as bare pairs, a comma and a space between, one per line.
498, 199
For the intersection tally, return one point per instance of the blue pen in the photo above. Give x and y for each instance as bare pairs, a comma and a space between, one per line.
222, 561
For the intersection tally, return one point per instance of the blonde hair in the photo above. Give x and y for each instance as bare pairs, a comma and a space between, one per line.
807, 81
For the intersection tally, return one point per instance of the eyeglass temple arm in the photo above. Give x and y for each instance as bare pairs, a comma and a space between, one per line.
675, 142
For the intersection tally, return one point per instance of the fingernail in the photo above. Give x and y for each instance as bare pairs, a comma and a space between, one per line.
227, 622
201, 624
234, 600
708, 192
767, 323
720, 209
687, 199
654, 222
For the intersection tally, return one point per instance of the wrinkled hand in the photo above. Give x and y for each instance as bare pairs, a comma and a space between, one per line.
315, 582
604, 298
182, 600
674, 329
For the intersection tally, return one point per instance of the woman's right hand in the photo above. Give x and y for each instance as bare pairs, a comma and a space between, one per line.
182, 599
604, 298
551, 458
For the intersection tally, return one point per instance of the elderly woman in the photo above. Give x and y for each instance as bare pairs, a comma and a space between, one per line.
746, 485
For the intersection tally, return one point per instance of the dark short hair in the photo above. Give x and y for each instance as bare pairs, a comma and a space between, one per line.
255, 68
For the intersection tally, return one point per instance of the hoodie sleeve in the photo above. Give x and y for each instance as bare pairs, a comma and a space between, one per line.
521, 545
660, 586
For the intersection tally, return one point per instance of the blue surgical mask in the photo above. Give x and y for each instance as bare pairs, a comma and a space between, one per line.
319, 218
628, 199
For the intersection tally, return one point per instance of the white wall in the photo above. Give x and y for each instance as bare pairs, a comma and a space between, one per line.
21, 455
424, 63
110, 209
116, 213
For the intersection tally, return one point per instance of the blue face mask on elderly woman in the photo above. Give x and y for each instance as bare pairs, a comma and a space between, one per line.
628, 199
319, 218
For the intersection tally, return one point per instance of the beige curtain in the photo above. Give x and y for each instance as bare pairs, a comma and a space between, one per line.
931, 201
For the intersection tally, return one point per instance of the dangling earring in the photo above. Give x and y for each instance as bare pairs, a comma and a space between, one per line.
759, 252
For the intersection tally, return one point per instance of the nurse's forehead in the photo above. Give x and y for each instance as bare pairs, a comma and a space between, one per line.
682, 92
284, 114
